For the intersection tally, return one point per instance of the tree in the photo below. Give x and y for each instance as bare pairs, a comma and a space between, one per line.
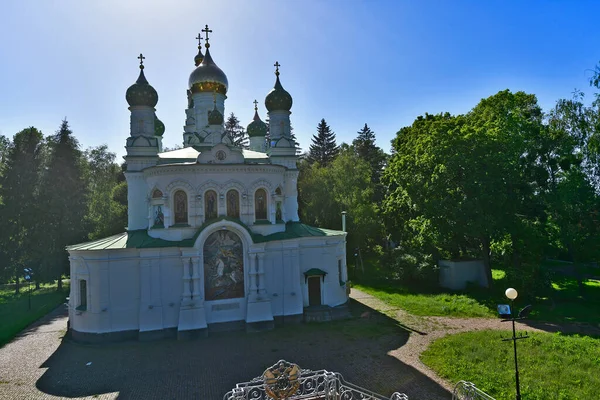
365, 148
345, 185
104, 216
64, 200
457, 183
20, 210
323, 149
235, 132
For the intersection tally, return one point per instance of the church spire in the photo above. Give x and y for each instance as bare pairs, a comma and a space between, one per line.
199, 57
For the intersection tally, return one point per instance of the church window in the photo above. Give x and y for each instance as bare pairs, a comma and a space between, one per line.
233, 204
157, 194
82, 295
260, 204
181, 207
278, 191
210, 205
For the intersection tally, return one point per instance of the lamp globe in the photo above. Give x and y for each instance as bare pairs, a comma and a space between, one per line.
511, 293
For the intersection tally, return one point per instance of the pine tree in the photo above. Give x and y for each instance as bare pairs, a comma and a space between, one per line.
64, 197
323, 148
20, 207
365, 148
235, 132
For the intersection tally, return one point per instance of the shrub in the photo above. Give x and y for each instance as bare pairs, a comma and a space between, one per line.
412, 268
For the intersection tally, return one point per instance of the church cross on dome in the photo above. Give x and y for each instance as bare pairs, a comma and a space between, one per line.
141, 58
277, 65
255, 105
207, 31
199, 37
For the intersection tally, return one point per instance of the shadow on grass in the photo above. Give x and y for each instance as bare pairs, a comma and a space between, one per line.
207, 368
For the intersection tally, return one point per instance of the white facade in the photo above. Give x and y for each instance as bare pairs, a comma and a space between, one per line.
213, 234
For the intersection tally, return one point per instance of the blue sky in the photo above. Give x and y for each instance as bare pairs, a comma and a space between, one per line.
350, 61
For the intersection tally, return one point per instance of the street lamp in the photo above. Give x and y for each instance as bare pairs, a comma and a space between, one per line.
28, 272
505, 311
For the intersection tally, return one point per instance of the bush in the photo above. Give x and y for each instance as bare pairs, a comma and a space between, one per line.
412, 268
534, 280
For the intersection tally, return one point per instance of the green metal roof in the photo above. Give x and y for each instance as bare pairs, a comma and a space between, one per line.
315, 272
139, 239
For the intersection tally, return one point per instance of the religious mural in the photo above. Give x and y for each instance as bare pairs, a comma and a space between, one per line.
260, 204
233, 204
181, 214
210, 204
223, 266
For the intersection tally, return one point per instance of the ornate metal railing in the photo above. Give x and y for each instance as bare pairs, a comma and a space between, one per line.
285, 380
467, 391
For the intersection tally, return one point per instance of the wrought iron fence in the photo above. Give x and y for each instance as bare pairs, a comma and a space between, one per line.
467, 391
285, 380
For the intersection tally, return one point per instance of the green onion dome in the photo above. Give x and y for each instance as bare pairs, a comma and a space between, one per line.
159, 127
257, 127
141, 93
208, 77
215, 117
278, 98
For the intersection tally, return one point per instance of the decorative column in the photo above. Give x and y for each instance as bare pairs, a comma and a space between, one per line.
259, 315
187, 279
192, 317
260, 275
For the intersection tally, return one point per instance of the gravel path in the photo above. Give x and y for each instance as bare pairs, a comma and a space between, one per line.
425, 330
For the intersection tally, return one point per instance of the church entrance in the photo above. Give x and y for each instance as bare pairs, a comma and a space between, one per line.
314, 290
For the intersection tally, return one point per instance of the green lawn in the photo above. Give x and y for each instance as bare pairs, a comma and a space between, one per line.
14, 309
565, 302
434, 304
551, 366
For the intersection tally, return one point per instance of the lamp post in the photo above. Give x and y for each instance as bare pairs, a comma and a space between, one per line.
28, 273
512, 294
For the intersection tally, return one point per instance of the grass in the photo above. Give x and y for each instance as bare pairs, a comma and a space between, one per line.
428, 304
564, 302
14, 309
551, 366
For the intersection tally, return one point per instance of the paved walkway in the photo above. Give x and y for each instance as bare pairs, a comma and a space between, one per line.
40, 364
428, 329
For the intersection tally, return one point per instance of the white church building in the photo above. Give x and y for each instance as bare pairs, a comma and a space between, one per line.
213, 239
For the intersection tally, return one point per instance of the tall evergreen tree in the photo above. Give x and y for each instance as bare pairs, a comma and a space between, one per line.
19, 210
235, 132
323, 148
365, 148
64, 199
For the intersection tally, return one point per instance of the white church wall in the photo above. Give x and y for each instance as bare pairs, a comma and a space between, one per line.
124, 294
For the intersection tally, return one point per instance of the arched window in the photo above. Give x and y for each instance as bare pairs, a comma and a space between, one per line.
278, 191
157, 194
210, 205
233, 204
260, 204
181, 207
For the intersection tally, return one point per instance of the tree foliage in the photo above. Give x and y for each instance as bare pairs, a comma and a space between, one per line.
323, 149
20, 211
344, 185
63, 201
235, 132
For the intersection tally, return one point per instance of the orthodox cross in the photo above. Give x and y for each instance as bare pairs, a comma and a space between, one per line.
141, 58
199, 37
207, 31
277, 65
255, 105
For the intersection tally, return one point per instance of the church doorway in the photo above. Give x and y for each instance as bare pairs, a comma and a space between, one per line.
314, 290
